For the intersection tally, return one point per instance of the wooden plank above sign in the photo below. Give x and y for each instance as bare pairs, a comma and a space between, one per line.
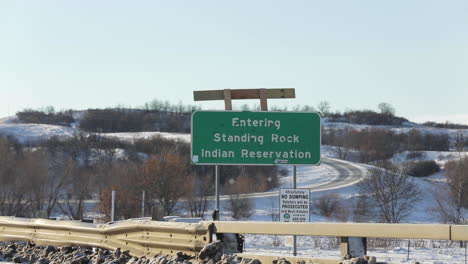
244, 94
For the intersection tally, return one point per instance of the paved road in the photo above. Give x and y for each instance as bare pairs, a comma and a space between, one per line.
345, 174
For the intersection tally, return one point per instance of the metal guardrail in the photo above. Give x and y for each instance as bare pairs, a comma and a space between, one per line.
140, 237
413, 231
343, 230
145, 237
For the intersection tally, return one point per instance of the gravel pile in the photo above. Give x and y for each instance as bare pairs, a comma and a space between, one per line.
31, 253
214, 253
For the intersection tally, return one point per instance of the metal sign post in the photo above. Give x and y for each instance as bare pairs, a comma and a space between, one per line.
294, 187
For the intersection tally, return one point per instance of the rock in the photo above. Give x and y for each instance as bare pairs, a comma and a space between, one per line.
355, 261
66, 249
161, 260
49, 249
281, 261
117, 253
181, 257
212, 250
255, 261
76, 261
9, 253
12, 246
227, 259
17, 260
78, 254
42, 261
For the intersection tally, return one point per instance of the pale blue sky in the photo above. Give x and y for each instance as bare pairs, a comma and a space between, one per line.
354, 54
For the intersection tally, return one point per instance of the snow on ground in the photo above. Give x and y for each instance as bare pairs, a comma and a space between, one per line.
132, 136
327, 248
33, 133
7, 120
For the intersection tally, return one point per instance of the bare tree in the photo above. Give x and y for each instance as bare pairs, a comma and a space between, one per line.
343, 144
21, 175
53, 182
457, 179
165, 177
78, 189
460, 141
324, 108
197, 199
392, 194
7, 188
386, 109
14, 199
128, 191
447, 209
34, 167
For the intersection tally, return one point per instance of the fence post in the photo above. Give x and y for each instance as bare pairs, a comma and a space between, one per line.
409, 243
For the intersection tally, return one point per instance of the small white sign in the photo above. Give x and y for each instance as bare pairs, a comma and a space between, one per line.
294, 205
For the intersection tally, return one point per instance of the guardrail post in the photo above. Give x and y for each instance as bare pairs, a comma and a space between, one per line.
353, 246
344, 245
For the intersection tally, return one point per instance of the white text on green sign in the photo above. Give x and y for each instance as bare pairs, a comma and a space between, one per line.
230, 137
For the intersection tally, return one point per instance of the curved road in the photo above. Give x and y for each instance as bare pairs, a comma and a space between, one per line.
345, 174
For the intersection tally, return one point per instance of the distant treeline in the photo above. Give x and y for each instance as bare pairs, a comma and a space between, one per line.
132, 120
158, 115
367, 117
375, 144
155, 115
64, 118
447, 125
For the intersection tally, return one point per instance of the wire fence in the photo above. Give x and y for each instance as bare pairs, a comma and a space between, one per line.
424, 251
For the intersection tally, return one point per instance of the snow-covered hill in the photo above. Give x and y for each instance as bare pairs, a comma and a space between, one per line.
267, 206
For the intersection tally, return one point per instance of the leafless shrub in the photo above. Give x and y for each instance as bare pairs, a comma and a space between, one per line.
240, 206
330, 205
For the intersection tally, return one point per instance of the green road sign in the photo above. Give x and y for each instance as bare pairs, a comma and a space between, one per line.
255, 138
